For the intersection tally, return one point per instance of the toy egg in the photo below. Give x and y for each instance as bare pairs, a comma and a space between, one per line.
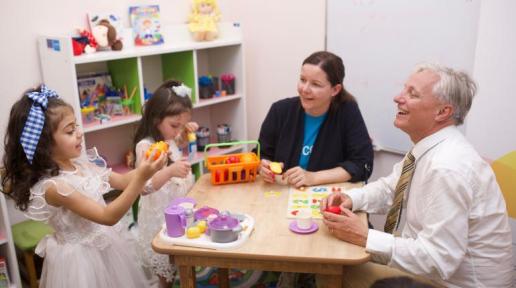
275, 167
160, 147
193, 232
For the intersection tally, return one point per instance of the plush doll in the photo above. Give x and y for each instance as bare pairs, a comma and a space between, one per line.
105, 35
202, 22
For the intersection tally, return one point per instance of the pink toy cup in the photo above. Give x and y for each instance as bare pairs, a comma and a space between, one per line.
175, 220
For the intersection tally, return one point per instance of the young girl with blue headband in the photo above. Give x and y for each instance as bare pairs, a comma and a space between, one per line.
50, 179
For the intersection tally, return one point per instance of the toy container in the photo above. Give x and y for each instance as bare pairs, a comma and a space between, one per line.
232, 168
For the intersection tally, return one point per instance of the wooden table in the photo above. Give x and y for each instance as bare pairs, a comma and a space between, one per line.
271, 246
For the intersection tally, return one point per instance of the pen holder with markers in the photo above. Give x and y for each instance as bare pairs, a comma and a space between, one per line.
232, 168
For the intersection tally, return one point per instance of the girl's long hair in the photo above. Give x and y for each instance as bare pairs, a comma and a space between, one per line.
164, 102
18, 175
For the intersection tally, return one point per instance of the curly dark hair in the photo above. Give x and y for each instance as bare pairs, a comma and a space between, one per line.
18, 175
164, 102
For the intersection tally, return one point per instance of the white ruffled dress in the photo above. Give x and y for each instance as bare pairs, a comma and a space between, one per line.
151, 211
82, 253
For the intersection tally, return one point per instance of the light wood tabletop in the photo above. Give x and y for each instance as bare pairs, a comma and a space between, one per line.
271, 246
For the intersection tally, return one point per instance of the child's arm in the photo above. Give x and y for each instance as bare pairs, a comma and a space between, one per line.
177, 169
114, 211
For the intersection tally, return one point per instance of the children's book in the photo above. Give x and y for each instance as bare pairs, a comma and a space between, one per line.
146, 25
92, 86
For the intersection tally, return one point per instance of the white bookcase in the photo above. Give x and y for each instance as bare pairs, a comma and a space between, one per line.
7, 245
178, 58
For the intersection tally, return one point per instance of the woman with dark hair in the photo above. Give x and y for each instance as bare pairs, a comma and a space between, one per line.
319, 136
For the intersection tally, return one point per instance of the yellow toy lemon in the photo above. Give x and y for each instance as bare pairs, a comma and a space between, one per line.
193, 232
202, 226
275, 167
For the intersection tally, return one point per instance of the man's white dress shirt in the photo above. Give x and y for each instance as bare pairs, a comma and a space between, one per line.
457, 230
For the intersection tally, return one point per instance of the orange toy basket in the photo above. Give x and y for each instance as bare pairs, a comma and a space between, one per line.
232, 168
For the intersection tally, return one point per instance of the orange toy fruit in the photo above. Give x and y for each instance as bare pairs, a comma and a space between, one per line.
160, 147
247, 158
275, 167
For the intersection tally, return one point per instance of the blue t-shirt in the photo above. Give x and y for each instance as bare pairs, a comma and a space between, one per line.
312, 126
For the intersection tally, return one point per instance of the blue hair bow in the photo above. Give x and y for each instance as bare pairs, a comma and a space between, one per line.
34, 125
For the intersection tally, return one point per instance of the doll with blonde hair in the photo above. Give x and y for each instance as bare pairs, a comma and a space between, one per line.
202, 22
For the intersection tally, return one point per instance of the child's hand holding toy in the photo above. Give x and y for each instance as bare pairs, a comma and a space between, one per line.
158, 148
151, 164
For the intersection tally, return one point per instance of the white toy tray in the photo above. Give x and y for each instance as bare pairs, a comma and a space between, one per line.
204, 241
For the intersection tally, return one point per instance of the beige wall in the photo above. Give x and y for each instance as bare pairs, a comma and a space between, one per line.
278, 35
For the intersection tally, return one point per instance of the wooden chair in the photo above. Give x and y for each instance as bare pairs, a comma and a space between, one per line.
26, 236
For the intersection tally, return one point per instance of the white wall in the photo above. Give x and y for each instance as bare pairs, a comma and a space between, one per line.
491, 123
278, 35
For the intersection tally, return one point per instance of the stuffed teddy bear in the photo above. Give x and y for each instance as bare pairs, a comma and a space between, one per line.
105, 36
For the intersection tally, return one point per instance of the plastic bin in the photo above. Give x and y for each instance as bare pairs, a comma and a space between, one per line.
232, 168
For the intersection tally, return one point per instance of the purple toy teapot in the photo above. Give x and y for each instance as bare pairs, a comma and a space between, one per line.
175, 220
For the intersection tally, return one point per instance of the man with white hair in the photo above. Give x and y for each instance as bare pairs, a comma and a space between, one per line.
457, 231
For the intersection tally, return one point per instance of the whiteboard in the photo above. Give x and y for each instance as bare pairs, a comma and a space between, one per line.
380, 42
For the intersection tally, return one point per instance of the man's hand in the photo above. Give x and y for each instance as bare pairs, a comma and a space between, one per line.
347, 227
336, 199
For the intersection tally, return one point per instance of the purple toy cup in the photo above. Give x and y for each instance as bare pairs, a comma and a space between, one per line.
175, 220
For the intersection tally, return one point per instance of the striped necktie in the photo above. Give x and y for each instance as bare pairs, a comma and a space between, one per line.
393, 218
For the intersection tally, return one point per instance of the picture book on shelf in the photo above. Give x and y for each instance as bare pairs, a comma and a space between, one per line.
146, 25
92, 86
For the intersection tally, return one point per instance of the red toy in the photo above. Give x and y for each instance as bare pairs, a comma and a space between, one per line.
333, 209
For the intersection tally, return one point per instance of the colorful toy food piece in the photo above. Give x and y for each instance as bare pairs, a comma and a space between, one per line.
232, 159
160, 147
333, 209
275, 167
193, 232
202, 226
247, 158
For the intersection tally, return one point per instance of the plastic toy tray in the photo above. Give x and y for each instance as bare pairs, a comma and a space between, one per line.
225, 171
204, 240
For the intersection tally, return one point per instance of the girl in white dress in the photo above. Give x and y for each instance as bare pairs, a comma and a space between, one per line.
166, 117
49, 178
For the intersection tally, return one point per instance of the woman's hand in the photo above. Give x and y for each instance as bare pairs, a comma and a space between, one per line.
347, 227
299, 177
179, 169
266, 172
336, 199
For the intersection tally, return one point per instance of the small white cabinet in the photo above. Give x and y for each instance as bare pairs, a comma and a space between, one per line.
178, 58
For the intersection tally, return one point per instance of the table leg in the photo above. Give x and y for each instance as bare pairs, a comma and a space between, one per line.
223, 274
333, 281
187, 276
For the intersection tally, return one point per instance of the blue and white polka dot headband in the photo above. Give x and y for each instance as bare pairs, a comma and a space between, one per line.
34, 125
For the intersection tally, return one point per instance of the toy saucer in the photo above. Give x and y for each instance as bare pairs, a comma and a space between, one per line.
185, 202
293, 227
